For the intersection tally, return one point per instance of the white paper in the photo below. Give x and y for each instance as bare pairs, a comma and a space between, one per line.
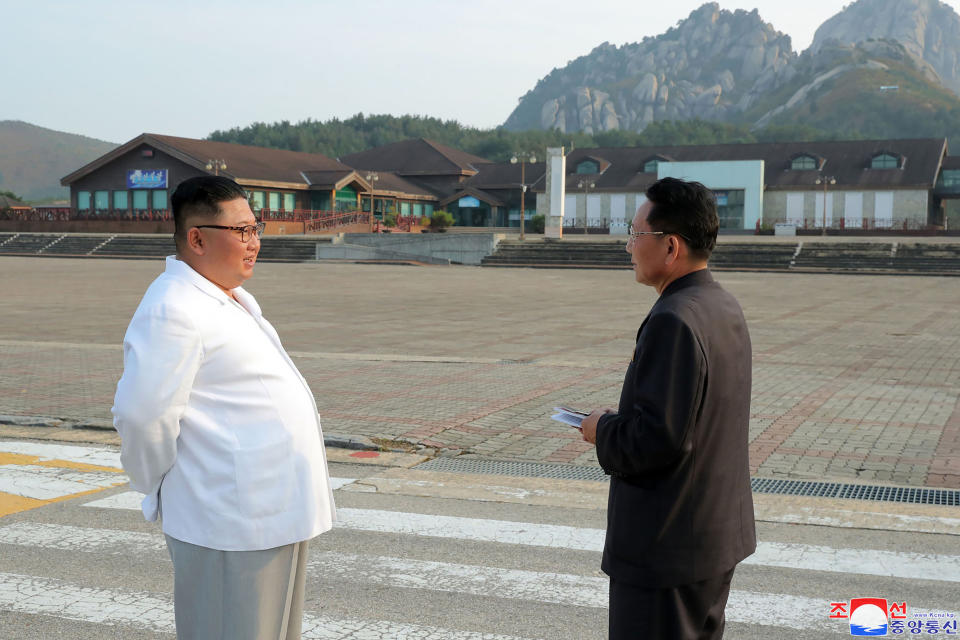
569, 417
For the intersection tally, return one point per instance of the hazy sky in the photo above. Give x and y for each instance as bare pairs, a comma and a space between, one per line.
112, 70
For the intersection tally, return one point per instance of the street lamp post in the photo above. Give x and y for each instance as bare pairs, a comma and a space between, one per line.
825, 180
371, 178
523, 159
586, 185
216, 165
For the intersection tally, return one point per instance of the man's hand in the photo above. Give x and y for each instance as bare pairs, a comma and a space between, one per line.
589, 425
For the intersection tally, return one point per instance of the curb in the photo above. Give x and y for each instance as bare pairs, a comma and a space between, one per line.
336, 440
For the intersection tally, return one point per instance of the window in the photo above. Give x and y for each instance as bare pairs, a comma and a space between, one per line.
101, 200
83, 200
949, 180
119, 200
650, 166
803, 163
418, 209
428, 210
274, 200
160, 199
588, 166
256, 200
884, 161
405, 208
288, 202
140, 200
730, 208
347, 199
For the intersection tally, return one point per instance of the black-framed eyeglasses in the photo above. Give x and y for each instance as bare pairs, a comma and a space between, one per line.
246, 231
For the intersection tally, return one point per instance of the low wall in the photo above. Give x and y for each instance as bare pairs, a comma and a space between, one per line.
87, 226
459, 248
273, 228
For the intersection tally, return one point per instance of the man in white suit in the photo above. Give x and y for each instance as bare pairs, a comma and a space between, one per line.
220, 430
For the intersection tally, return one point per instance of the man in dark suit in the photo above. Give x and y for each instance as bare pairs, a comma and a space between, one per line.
680, 509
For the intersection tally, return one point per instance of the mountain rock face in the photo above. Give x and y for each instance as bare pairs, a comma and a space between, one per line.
733, 66
714, 63
928, 29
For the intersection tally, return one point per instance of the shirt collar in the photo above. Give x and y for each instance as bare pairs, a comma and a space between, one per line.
694, 278
180, 269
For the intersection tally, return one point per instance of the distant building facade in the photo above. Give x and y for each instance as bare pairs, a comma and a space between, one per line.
134, 181
874, 184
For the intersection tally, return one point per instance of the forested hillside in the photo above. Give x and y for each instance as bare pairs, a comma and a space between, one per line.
337, 138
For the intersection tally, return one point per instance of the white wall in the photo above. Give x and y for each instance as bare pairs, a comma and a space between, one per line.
795, 209
618, 214
818, 210
593, 209
853, 209
883, 209
721, 175
570, 207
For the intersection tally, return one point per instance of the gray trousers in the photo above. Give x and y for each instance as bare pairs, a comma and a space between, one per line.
238, 595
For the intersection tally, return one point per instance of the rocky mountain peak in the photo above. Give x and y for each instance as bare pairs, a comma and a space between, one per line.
709, 64
927, 29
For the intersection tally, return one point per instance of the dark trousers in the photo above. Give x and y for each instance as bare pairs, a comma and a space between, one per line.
686, 612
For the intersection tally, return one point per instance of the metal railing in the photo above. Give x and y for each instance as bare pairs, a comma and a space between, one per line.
593, 226
112, 215
860, 225
296, 215
337, 219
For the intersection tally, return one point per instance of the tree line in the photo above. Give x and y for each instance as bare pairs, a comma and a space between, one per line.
336, 138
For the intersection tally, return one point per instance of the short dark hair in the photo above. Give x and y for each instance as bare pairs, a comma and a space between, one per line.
687, 209
201, 197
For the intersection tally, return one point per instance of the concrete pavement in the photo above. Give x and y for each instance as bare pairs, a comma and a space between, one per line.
855, 377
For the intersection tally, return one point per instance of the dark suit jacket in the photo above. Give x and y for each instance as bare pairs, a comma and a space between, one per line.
680, 508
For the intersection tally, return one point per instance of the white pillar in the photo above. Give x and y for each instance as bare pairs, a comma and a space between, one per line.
556, 187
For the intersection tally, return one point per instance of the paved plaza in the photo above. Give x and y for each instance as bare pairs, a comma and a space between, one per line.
856, 378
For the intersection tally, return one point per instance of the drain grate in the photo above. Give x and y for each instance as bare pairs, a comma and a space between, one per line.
509, 468
807, 488
878, 493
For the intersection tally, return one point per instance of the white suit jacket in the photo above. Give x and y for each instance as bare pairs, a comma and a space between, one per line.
218, 428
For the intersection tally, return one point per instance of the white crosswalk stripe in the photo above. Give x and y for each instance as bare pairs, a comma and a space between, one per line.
355, 562
45, 483
745, 606
154, 612
98, 456
892, 564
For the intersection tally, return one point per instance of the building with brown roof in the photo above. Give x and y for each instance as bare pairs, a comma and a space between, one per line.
12, 204
478, 193
134, 180
872, 184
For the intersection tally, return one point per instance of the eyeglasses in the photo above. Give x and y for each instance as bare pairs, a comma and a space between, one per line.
246, 231
636, 234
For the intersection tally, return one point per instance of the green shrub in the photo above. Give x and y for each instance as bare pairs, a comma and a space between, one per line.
538, 223
390, 219
441, 220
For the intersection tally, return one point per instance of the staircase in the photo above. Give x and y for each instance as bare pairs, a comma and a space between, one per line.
808, 257
557, 253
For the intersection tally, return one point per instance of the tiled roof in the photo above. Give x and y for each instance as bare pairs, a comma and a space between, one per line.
327, 179
504, 175
847, 161
6, 202
389, 182
479, 194
243, 162
416, 157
